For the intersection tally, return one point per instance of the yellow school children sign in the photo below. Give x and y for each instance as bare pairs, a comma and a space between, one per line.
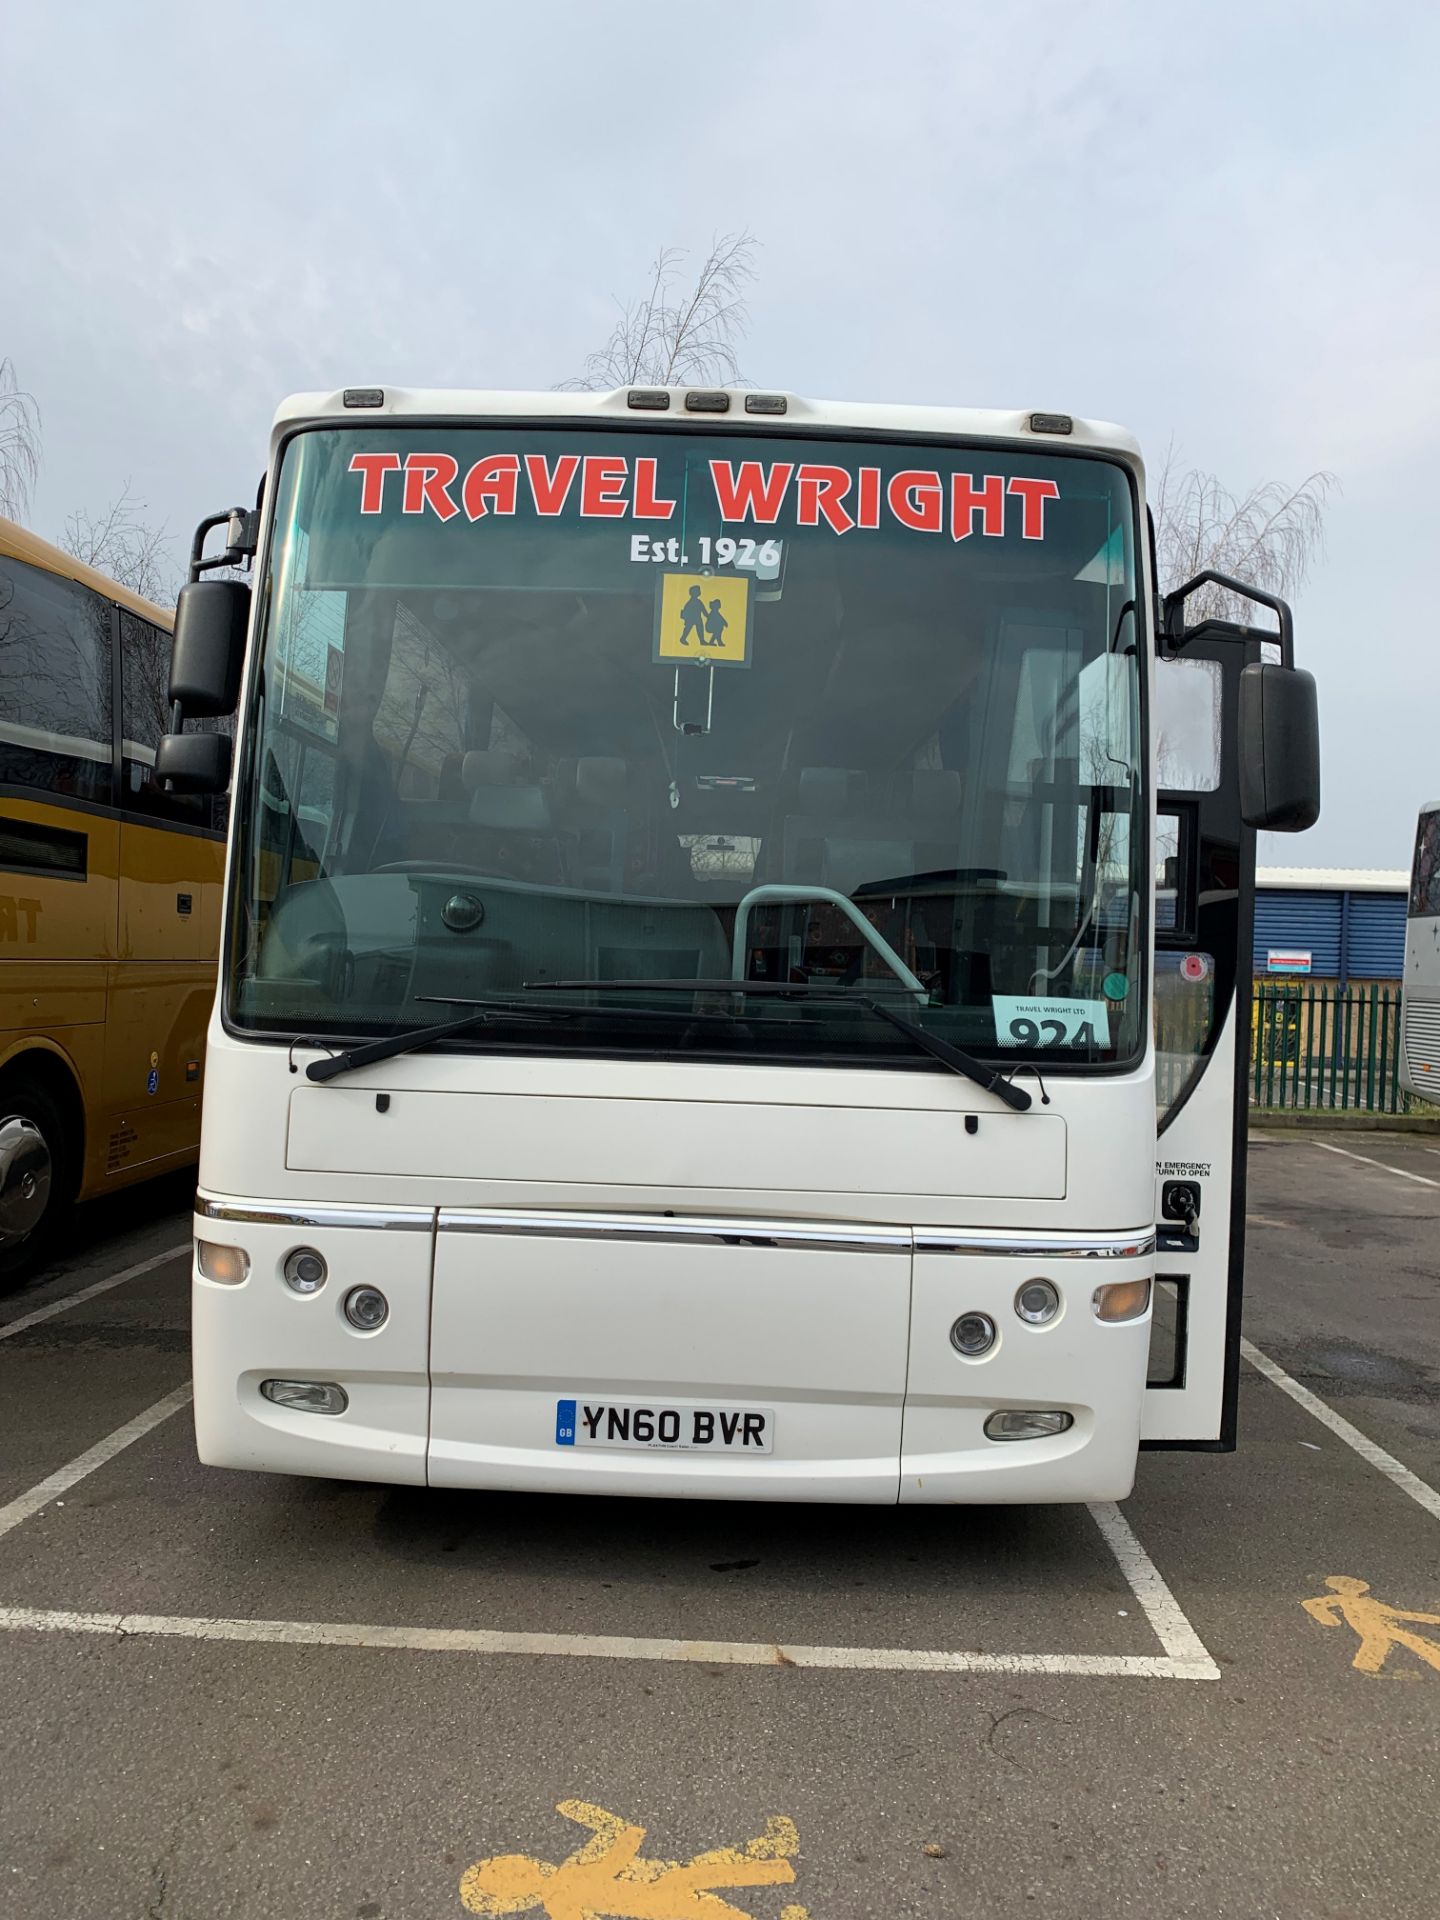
703, 617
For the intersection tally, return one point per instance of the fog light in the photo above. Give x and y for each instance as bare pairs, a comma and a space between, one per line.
1036, 1302
305, 1270
366, 1308
1018, 1423
1122, 1299
227, 1266
306, 1396
973, 1334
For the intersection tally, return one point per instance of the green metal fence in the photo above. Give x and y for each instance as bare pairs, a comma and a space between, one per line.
1337, 1049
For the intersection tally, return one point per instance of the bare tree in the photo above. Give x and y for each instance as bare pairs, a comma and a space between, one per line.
679, 332
123, 544
1268, 536
120, 542
19, 444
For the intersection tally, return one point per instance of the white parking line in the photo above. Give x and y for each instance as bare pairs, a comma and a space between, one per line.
1367, 1449
1184, 1657
1160, 1607
89, 1293
607, 1646
1423, 1179
61, 1481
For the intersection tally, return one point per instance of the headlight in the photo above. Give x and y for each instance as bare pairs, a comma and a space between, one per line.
973, 1334
1037, 1302
305, 1270
366, 1308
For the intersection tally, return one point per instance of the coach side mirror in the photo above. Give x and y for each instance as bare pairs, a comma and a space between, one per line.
194, 762
1279, 749
211, 618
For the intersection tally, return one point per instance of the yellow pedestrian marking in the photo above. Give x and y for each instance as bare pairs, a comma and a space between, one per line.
608, 1879
703, 617
1381, 1628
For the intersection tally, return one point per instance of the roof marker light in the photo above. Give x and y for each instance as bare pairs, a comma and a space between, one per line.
711, 402
1051, 423
648, 400
766, 403
364, 396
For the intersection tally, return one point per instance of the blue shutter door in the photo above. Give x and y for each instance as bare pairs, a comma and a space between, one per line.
1292, 918
1377, 936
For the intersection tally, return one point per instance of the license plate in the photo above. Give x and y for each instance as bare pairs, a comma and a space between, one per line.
653, 1425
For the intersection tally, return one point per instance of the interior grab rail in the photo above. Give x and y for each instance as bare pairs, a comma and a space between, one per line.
821, 896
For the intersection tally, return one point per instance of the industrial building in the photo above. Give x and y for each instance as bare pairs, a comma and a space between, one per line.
1335, 924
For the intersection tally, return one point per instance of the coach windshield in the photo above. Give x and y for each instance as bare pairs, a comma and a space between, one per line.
558, 704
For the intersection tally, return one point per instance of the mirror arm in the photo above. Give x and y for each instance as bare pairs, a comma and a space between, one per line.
1172, 609
241, 539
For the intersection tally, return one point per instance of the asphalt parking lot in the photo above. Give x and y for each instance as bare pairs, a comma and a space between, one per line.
233, 1695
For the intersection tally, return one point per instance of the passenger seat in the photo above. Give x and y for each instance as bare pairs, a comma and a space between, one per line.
595, 824
510, 828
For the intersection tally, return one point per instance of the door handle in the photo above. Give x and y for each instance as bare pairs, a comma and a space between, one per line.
1178, 1228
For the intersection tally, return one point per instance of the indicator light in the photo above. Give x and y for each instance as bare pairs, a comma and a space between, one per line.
1122, 1300
226, 1266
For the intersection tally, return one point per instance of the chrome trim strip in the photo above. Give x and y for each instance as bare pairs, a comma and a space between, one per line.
692, 1230
680, 1230
1107, 1246
258, 1213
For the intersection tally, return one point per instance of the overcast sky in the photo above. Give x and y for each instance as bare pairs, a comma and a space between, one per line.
1214, 224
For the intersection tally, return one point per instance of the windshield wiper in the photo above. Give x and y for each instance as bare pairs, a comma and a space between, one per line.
958, 1061
490, 1013
395, 1043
